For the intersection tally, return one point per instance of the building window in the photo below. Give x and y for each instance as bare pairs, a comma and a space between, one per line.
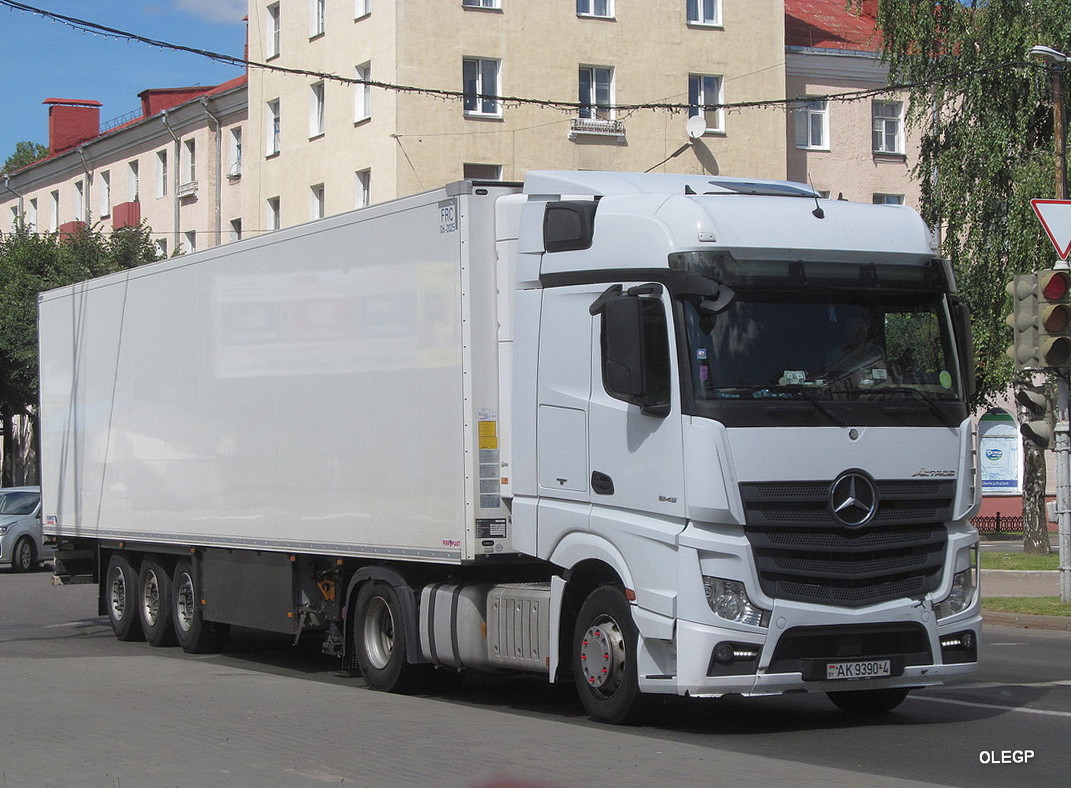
316, 109
482, 3
812, 125
316, 17
480, 77
31, 215
189, 161
191, 241
888, 199
704, 12
161, 173
133, 182
14, 218
361, 8
53, 219
235, 146
482, 172
316, 202
161, 247
236, 230
271, 32
599, 8
105, 194
364, 189
273, 217
596, 92
271, 132
888, 127
79, 201
704, 91
362, 93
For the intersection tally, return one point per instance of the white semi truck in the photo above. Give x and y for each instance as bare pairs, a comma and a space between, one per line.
654, 434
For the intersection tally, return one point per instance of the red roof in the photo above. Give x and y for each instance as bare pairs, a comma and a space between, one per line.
827, 24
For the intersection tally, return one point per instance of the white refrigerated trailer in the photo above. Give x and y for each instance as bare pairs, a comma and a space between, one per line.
654, 434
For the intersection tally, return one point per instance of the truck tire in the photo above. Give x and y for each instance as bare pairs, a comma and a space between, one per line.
121, 598
877, 701
379, 640
194, 634
24, 556
604, 659
155, 604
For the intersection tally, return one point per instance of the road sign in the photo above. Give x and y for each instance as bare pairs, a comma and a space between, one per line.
1055, 216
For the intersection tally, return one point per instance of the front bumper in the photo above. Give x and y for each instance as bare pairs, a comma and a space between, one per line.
791, 655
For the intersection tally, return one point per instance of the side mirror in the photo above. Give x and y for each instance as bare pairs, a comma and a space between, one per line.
633, 343
961, 318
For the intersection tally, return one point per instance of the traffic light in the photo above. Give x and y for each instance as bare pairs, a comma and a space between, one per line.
1040, 428
1024, 322
1054, 318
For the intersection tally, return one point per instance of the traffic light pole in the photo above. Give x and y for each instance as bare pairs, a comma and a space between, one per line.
1063, 487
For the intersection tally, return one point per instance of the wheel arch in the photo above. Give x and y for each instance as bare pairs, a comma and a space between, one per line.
406, 595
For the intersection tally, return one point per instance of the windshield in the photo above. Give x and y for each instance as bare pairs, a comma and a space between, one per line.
847, 345
19, 502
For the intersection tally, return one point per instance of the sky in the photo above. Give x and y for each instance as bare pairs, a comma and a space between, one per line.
41, 58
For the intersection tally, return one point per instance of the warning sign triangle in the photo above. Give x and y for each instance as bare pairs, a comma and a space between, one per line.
1055, 216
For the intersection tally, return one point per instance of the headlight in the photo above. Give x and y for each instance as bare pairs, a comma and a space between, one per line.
964, 587
729, 600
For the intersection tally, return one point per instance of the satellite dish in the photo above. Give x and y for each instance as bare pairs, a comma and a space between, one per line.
697, 127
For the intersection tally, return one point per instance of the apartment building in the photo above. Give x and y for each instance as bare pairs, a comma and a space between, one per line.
858, 149
176, 164
322, 146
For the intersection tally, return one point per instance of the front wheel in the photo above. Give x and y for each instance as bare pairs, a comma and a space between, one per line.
24, 556
877, 701
604, 658
194, 634
380, 642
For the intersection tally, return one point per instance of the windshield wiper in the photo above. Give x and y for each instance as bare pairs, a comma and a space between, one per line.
916, 393
807, 395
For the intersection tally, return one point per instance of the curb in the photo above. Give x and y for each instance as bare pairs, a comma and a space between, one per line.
1026, 621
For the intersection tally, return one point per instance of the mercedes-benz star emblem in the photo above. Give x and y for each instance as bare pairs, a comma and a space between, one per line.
853, 499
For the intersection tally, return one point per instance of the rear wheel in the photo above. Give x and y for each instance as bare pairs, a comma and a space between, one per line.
380, 642
194, 634
154, 604
121, 598
24, 556
877, 701
604, 658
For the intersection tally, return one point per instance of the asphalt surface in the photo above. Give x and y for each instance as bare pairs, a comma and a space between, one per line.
82, 709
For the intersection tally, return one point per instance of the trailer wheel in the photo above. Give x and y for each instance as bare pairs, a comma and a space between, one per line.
24, 556
155, 605
194, 634
604, 661
877, 701
121, 598
379, 639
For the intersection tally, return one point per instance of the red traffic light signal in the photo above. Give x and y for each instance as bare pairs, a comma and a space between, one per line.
1054, 318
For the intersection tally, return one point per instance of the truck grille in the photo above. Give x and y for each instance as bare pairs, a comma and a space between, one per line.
803, 554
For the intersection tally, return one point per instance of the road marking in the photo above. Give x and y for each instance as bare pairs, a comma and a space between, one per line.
997, 707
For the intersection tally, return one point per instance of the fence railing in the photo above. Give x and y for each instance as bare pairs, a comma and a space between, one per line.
998, 523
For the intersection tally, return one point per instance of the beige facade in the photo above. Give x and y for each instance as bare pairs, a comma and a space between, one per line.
176, 168
857, 149
615, 52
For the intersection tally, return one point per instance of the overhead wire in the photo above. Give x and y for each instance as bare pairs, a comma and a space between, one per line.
460, 95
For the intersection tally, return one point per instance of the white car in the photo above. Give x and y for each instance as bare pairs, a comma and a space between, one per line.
21, 539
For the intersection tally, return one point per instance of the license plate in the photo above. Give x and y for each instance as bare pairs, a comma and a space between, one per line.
863, 669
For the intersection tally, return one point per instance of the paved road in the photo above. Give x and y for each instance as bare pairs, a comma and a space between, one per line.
82, 709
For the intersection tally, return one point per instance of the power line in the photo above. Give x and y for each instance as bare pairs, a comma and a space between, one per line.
459, 95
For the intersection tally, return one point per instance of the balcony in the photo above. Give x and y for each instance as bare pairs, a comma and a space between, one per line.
597, 129
126, 214
187, 190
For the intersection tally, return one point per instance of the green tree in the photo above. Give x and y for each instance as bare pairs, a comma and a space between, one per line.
26, 153
985, 117
29, 264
